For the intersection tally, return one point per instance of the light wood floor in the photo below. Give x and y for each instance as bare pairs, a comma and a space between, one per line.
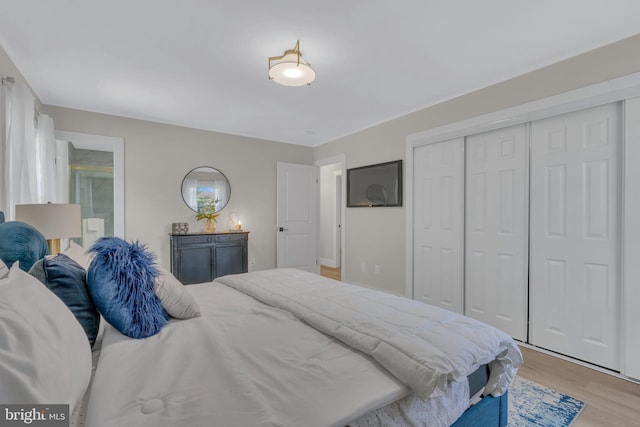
330, 272
611, 401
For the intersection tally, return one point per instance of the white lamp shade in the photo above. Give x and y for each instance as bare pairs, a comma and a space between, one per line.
291, 70
53, 220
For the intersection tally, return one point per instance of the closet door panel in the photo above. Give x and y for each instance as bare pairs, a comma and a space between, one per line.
438, 224
575, 237
496, 196
631, 244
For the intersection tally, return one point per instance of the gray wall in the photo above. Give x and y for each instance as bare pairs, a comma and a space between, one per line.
377, 235
158, 156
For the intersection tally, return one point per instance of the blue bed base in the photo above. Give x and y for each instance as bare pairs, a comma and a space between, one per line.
489, 412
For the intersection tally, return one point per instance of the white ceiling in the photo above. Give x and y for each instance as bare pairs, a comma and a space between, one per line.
203, 64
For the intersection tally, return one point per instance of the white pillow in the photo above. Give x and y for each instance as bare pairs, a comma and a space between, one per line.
44, 353
79, 255
3, 269
174, 297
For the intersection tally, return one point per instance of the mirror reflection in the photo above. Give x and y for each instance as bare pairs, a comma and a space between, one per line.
206, 187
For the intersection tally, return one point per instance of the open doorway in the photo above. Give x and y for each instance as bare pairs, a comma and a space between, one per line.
331, 215
90, 171
91, 187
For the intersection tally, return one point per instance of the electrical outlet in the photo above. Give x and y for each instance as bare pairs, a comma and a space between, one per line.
252, 262
363, 267
376, 269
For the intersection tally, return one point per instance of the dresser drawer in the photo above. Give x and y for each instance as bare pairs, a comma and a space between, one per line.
231, 238
194, 240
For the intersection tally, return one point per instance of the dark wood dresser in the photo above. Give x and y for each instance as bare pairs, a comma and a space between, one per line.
201, 257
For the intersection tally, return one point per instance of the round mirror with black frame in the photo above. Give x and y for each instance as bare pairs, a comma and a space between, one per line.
205, 189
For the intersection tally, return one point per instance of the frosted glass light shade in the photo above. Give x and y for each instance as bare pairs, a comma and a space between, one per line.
290, 69
288, 72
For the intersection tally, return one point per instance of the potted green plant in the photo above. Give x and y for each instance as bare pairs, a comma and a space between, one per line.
208, 212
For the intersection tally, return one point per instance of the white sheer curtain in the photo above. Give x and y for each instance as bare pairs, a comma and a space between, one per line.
45, 161
29, 151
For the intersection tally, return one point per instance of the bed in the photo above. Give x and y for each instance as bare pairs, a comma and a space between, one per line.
278, 347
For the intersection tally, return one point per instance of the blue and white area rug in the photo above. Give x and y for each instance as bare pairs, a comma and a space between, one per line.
531, 404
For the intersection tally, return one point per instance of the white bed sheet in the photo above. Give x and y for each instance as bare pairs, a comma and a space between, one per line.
241, 364
411, 411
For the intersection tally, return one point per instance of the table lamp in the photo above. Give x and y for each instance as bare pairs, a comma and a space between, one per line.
54, 220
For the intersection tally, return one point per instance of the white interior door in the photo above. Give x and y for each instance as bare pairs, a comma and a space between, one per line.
631, 244
438, 224
496, 229
297, 205
575, 237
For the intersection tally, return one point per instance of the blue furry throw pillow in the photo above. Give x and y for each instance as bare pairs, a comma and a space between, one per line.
121, 282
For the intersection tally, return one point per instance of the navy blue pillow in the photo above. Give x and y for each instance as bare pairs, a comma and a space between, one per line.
121, 282
67, 279
21, 242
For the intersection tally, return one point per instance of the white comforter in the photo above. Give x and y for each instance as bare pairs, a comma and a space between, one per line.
241, 364
244, 363
423, 346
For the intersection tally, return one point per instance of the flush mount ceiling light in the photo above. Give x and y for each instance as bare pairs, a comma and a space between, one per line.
290, 69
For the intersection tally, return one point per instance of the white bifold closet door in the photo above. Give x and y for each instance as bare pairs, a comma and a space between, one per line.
496, 229
575, 234
438, 224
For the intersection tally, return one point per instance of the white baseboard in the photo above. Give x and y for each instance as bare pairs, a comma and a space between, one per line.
328, 262
362, 285
579, 362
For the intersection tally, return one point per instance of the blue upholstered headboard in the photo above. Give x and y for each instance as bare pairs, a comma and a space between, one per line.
21, 242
